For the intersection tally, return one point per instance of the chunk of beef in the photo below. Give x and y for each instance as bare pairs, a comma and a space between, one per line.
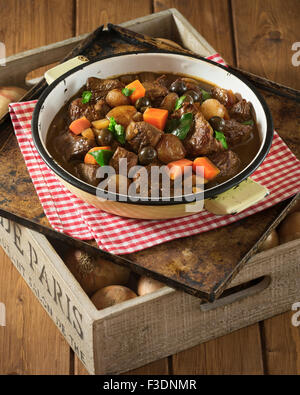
88, 173
92, 112
241, 111
170, 148
155, 184
186, 108
71, 146
227, 162
155, 92
236, 133
201, 140
163, 80
169, 102
141, 134
224, 96
191, 84
122, 153
100, 88
102, 108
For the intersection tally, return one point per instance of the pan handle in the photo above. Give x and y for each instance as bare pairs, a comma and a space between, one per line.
62, 68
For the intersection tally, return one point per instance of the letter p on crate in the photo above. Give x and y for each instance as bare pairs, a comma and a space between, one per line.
2, 314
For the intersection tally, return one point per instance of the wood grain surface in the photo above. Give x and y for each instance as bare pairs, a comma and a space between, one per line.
259, 40
30, 342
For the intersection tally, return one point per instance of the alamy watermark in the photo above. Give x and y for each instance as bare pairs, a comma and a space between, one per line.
296, 316
2, 54
2, 314
296, 55
157, 183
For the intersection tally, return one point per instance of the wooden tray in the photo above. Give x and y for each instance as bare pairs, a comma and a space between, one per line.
215, 257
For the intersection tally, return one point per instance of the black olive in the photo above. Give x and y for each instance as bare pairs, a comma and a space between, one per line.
147, 155
179, 87
142, 103
217, 123
195, 95
104, 137
188, 99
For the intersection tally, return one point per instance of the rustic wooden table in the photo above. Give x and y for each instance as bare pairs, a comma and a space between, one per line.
256, 36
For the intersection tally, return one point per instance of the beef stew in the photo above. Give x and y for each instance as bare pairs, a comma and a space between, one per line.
167, 120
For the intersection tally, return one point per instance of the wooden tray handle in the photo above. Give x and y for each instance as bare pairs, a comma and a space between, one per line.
259, 286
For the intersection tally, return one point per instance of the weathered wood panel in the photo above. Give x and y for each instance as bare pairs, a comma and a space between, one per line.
281, 345
264, 33
30, 342
92, 13
236, 353
210, 18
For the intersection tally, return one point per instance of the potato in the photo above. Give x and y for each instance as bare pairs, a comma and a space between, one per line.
122, 114
290, 228
8, 95
147, 285
213, 108
115, 98
111, 295
94, 273
101, 124
271, 241
89, 135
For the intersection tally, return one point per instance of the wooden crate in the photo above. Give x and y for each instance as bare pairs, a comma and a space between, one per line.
136, 332
141, 330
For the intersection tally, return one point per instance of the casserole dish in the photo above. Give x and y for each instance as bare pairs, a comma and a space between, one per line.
63, 88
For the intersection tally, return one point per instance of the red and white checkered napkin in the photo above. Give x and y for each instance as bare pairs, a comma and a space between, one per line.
280, 173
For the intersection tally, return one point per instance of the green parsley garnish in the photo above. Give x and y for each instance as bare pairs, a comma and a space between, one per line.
102, 156
220, 137
205, 95
251, 122
117, 130
86, 96
128, 92
179, 103
182, 126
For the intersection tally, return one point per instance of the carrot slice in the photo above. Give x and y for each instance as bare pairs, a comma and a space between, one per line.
156, 117
208, 170
176, 168
89, 159
138, 90
79, 125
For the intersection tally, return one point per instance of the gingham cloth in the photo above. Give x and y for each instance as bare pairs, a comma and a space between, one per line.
280, 173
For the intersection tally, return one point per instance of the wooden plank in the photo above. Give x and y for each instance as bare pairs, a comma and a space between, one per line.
281, 345
35, 23
28, 330
79, 368
236, 353
22, 341
210, 18
223, 355
265, 49
264, 33
92, 13
157, 367
97, 13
